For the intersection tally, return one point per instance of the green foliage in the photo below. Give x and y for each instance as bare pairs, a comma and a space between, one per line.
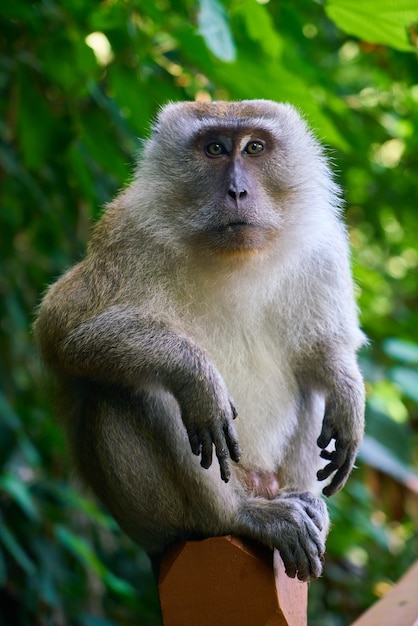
390, 22
79, 84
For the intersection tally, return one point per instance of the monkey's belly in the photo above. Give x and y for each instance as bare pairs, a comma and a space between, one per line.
267, 402
263, 389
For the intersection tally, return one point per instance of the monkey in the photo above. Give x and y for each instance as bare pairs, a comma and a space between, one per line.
204, 349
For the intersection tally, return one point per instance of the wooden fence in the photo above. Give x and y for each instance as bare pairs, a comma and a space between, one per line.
227, 581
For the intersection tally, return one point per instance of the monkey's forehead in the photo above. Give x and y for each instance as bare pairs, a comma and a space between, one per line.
224, 109
254, 112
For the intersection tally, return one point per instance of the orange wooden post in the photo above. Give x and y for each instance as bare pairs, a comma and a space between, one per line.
227, 581
399, 607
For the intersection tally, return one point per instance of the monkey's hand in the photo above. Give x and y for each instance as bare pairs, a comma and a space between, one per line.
208, 412
343, 423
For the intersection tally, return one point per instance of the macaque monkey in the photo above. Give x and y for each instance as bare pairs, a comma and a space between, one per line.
214, 315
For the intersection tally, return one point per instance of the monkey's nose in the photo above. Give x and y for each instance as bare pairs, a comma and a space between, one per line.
236, 193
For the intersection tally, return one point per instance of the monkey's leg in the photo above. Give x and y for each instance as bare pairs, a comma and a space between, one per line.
133, 450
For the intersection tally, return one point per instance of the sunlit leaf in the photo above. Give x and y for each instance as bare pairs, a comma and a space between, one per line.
214, 28
385, 22
119, 586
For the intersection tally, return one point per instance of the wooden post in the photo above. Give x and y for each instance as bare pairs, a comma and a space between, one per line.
399, 607
223, 581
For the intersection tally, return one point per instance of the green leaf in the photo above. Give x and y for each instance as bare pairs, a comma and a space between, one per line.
401, 350
260, 27
47, 584
8, 415
214, 28
80, 548
83, 552
388, 22
100, 147
19, 491
88, 507
119, 586
3, 569
407, 379
36, 139
11, 544
16, 11
380, 457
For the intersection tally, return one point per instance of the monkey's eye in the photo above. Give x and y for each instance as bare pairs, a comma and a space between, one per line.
215, 149
254, 148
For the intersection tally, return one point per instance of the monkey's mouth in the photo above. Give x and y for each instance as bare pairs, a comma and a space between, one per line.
235, 237
232, 227
237, 224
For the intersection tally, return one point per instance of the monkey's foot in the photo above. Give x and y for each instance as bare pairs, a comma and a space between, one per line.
295, 524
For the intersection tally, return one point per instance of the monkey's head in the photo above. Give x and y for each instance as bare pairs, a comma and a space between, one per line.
231, 178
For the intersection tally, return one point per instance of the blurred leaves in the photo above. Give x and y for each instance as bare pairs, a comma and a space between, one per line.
79, 84
389, 22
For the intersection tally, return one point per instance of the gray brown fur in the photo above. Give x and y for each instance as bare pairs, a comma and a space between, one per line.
214, 287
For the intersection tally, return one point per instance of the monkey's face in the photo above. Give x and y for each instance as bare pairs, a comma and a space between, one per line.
226, 174
236, 200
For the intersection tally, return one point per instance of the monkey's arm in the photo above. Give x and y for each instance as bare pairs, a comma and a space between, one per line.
121, 346
343, 421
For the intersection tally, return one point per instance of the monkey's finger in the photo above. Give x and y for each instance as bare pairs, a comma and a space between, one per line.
288, 558
325, 454
222, 456
327, 434
310, 565
340, 477
338, 455
225, 470
233, 409
232, 442
206, 448
315, 516
311, 507
194, 442
326, 471
302, 559
223, 464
